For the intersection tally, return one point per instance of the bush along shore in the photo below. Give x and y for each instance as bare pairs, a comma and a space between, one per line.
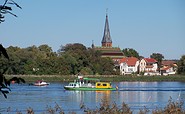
106, 108
111, 78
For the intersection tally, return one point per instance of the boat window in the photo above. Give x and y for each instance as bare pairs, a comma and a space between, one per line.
104, 84
98, 84
74, 84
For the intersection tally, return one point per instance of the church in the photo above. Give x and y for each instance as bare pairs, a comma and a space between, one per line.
106, 49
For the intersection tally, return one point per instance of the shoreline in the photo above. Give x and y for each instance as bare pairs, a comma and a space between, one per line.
111, 78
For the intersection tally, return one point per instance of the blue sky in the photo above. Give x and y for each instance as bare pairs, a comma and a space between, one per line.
148, 26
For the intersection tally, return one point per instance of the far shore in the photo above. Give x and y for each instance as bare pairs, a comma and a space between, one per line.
111, 78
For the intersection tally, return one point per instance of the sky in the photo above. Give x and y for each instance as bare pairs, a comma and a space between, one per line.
148, 26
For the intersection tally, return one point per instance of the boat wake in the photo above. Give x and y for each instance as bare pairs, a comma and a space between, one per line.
152, 89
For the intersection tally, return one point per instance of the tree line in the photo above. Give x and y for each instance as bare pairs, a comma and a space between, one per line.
70, 59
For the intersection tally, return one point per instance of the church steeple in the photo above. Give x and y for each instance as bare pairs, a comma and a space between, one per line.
106, 41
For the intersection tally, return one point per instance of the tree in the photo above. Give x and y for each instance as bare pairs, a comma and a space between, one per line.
5, 83
76, 56
86, 61
72, 59
158, 57
107, 66
129, 52
181, 65
46, 50
6, 9
72, 48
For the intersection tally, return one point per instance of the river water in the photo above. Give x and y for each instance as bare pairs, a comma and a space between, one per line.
136, 94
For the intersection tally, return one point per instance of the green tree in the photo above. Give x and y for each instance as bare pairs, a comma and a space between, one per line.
87, 61
94, 58
71, 59
76, 55
46, 51
158, 57
107, 66
181, 65
17, 59
129, 52
5, 83
63, 67
86, 71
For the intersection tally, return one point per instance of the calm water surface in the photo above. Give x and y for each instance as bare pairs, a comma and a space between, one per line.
136, 94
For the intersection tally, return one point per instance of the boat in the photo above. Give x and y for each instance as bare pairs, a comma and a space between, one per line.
40, 83
89, 84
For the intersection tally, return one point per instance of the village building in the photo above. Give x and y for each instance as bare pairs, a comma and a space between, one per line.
148, 66
129, 65
106, 49
168, 67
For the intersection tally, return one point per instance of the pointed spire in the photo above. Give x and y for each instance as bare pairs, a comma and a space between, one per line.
92, 44
106, 41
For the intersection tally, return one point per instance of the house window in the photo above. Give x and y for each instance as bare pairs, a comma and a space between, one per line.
130, 69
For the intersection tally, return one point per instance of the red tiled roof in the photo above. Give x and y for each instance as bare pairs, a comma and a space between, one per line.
168, 62
150, 60
131, 61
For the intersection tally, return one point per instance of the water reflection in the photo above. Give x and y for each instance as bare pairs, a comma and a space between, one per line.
135, 94
150, 94
103, 95
88, 96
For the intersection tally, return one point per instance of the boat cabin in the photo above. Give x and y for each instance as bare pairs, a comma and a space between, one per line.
103, 85
73, 85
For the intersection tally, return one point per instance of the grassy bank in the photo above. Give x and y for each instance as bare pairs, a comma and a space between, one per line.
111, 78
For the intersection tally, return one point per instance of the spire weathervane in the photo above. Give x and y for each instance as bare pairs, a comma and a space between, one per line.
107, 11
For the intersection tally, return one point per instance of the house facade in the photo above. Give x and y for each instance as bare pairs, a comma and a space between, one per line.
148, 66
128, 65
168, 67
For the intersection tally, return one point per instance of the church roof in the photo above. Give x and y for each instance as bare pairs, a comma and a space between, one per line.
112, 52
105, 49
106, 35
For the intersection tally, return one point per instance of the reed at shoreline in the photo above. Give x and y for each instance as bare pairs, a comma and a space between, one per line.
111, 78
172, 107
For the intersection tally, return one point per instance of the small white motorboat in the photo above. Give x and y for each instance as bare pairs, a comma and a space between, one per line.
40, 83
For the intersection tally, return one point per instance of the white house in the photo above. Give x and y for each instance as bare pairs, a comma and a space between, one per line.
128, 65
149, 66
168, 67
